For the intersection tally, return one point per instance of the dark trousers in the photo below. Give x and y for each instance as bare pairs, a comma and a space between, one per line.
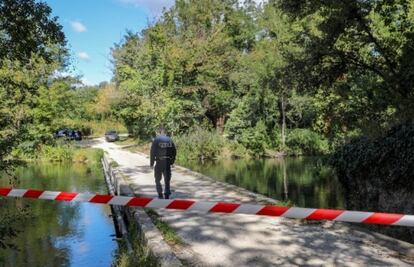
163, 167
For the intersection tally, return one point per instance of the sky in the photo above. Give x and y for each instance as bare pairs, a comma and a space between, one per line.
92, 27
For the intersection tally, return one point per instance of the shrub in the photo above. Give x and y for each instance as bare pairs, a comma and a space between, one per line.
56, 153
378, 174
306, 142
198, 144
255, 139
232, 149
80, 156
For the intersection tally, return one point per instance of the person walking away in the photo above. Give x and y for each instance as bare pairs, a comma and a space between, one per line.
163, 153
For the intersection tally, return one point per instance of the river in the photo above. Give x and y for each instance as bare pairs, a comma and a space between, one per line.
81, 234
304, 181
60, 233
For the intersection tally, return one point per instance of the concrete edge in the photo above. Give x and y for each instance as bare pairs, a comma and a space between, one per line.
152, 238
148, 233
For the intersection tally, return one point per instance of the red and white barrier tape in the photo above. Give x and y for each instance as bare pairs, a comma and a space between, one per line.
221, 207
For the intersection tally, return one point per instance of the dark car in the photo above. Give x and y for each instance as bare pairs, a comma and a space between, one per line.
111, 136
68, 134
76, 135
61, 133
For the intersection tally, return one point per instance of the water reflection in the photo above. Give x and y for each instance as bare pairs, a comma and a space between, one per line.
60, 233
306, 181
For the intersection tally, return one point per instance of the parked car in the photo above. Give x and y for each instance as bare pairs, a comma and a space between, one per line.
61, 133
111, 136
76, 135
68, 134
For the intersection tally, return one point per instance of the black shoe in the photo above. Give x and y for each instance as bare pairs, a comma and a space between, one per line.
160, 196
167, 196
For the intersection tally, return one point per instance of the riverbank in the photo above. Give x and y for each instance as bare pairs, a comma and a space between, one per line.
202, 144
240, 240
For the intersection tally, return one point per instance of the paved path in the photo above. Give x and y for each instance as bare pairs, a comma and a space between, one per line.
244, 240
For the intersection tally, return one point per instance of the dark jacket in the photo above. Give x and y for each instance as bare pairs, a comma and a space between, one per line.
163, 148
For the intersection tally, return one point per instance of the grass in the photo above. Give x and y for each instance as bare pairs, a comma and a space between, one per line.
67, 153
169, 234
140, 255
285, 203
126, 141
142, 147
114, 164
83, 155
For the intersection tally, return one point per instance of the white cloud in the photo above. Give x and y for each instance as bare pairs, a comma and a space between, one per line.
154, 6
77, 26
83, 56
87, 82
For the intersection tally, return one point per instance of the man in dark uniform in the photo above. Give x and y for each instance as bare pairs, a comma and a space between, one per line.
163, 152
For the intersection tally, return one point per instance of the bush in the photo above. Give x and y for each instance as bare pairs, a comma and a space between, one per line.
255, 139
56, 153
62, 152
306, 142
378, 174
232, 150
198, 144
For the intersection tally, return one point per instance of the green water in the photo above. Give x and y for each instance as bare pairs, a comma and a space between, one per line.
305, 182
60, 233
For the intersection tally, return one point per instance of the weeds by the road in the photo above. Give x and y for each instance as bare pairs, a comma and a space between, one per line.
140, 255
67, 152
167, 232
114, 164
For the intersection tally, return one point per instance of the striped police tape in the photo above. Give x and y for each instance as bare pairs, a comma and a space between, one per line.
219, 207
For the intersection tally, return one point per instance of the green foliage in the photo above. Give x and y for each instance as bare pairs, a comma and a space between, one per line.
87, 155
255, 139
181, 76
233, 149
28, 58
52, 105
167, 232
56, 153
140, 254
377, 174
230, 66
198, 144
359, 48
64, 152
306, 142
8, 219
42, 34
388, 159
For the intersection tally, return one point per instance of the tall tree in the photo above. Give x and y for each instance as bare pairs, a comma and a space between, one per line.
26, 28
365, 43
32, 48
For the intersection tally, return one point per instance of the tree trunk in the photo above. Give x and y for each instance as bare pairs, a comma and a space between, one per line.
282, 104
220, 124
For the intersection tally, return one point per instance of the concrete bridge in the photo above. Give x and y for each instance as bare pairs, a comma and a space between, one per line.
245, 240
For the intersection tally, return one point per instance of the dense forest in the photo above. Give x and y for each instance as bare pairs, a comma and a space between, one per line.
229, 78
300, 78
